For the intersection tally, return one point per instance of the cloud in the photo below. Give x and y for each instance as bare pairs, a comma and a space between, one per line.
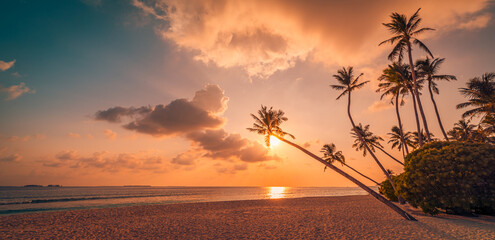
110, 134
264, 37
379, 106
11, 158
16, 91
178, 117
4, 66
27, 138
220, 145
74, 135
476, 23
186, 158
107, 161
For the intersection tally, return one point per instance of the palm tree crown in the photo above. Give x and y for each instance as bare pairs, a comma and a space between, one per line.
481, 94
268, 123
404, 31
369, 138
395, 138
428, 70
331, 155
347, 81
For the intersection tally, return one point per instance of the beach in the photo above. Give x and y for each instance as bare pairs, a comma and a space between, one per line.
346, 217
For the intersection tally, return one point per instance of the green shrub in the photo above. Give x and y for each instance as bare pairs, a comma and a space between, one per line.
458, 177
387, 190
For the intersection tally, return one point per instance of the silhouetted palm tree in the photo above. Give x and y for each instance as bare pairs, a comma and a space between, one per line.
429, 71
371, 140
392, 84
415, 138
463, 131
348, 83
331, 155
268, 122
481, 95
405, 31
400, 141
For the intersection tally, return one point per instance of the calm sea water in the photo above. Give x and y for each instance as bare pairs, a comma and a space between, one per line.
15, 200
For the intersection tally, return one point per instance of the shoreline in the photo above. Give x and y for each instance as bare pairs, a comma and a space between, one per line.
340, 217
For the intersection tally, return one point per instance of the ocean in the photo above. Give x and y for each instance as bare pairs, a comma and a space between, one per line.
17, 200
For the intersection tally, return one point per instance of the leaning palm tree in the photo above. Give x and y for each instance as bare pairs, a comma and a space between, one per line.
268, 122
481, 95
331, 155
405, 32
400, 140
391, 83
349, 83
428, 70
371, 140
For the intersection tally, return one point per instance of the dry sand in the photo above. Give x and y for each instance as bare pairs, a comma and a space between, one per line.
350, 217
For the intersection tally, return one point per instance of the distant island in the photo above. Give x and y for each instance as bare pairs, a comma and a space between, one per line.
50, 185
137, 185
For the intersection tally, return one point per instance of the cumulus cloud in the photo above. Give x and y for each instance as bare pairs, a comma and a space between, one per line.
107, 161
16, 91
220, 145
11, 158
110, 134
74, 135
177, 117
268, 36
378, 106
4, 66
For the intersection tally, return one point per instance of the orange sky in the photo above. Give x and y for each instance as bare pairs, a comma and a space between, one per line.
160, 93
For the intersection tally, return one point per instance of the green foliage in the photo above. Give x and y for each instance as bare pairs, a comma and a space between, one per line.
454, 176
387, 190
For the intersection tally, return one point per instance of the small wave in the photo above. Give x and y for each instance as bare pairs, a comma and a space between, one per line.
35, 201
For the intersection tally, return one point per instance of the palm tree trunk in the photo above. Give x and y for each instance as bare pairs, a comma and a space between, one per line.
381, 149
420, 106
404, 145
362, 174
420, 135
368, 149
416, 95
352, 179
436, 111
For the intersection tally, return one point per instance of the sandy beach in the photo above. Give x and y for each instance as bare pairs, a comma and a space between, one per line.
349, 217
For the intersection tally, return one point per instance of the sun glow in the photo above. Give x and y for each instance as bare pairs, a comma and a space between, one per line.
276, 192
274, 141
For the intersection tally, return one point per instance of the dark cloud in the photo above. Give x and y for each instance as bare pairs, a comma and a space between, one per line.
179, 116
11, 158
106, 161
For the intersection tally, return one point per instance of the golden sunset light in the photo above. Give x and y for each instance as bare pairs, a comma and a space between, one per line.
199, 112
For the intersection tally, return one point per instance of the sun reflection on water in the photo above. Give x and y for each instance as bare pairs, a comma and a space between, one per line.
276, 192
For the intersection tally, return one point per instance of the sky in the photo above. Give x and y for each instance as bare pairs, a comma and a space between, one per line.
100, 92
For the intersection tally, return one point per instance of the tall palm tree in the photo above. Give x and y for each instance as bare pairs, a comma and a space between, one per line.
331, 155
404, 75
348, 83
400, 141
371, 140
481, 96
392, 84
405, 32
268, 122
428, 69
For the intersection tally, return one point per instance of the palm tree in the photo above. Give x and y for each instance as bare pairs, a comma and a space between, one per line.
268, 122
405, 31
428, 69
463, 131
349, 83
416, 137
392, 84
369, 139
331, 155
481, 95
400, 141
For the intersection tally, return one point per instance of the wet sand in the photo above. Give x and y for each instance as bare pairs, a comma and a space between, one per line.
349, 217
